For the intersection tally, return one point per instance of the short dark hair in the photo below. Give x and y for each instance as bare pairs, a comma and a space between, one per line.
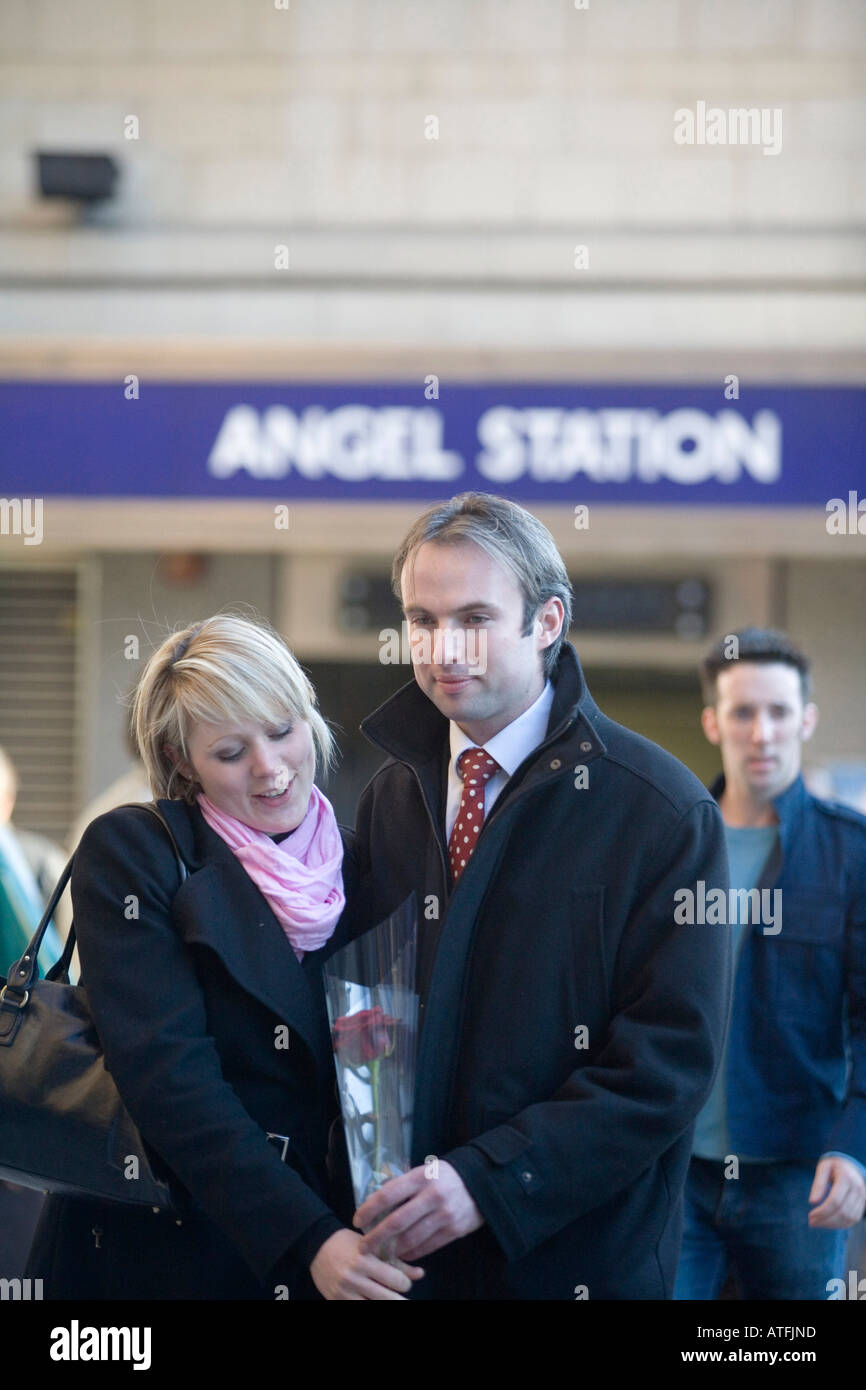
509, 534
758, 644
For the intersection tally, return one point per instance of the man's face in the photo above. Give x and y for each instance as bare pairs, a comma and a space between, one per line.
465, 617
760, 723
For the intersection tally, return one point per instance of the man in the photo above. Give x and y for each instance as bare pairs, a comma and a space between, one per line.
30, 865
778, 1175
570, 1029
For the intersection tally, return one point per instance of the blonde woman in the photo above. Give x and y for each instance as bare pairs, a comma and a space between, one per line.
207, 996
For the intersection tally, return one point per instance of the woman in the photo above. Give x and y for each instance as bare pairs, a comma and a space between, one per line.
208, 997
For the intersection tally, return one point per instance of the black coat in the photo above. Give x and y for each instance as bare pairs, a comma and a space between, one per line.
189, 998
562, 920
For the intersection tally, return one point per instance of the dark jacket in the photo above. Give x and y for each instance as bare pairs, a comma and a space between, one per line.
574, 1145
190, 988
796, 1063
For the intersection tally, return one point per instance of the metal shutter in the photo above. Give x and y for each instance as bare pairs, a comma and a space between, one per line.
38, 683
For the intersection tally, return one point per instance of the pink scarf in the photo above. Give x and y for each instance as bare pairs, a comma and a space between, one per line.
301, 877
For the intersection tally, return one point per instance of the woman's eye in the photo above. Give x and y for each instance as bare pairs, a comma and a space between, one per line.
284, 733
230, 757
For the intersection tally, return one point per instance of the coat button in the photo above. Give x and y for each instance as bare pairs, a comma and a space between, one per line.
556, 764
586, 747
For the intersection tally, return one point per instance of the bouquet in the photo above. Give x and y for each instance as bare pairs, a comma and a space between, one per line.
373, 1012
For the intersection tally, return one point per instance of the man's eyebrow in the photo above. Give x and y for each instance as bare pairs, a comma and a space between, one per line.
464, 608
748, 706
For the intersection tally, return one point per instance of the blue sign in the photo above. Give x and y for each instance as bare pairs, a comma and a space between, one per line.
662, 444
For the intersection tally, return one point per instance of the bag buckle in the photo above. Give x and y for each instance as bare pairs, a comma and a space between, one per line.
11, 1004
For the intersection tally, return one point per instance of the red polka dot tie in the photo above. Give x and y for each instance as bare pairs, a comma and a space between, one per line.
476, 768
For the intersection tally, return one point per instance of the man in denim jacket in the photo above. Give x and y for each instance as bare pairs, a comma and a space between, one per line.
777, 1173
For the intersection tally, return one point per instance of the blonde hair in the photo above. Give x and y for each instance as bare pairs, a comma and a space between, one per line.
225, 669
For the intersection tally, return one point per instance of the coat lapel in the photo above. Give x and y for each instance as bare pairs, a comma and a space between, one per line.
438, 1045
219, 906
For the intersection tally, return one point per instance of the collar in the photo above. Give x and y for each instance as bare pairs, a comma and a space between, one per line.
516, 741
197, 842
409, 727
788, 805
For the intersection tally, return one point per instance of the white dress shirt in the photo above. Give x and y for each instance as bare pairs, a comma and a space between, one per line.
509, 747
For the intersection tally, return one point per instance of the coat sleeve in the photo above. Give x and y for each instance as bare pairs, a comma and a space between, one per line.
150, 1015
848, 1134
612, 1119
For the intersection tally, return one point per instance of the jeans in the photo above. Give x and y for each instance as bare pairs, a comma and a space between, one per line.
754, 1226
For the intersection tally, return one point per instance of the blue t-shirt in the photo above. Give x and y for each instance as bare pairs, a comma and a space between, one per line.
749, 848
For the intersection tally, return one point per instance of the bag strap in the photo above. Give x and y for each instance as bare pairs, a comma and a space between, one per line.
24, 972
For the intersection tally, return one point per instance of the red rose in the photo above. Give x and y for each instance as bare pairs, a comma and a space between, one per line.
363, 1037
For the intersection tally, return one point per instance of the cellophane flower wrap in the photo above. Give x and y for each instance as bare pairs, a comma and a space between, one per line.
373, 1012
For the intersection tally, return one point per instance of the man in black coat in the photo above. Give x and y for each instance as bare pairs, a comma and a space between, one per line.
570, 1029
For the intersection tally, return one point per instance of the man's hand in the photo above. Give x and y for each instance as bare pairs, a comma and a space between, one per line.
425, 1214
845, 1202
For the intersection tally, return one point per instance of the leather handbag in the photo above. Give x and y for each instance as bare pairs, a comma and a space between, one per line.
63, 1125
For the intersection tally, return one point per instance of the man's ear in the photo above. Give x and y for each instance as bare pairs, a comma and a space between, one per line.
548, 621
710, 724
810, 721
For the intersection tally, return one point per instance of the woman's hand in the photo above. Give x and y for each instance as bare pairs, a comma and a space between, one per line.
340, 1270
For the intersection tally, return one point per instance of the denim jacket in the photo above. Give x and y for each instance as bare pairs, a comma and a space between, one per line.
796, 1059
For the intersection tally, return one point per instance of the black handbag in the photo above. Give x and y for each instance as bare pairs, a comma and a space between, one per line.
63, 1125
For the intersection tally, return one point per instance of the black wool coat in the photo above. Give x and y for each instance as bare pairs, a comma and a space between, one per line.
570, 1029
191, 989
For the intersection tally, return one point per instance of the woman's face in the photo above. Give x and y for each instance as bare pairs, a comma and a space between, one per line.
260, 774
